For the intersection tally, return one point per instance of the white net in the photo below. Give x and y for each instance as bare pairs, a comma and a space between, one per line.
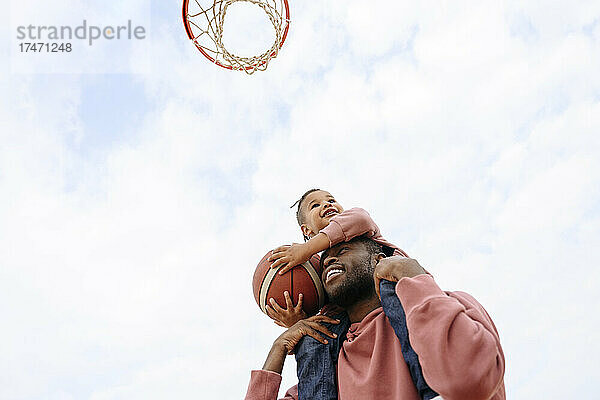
204, 21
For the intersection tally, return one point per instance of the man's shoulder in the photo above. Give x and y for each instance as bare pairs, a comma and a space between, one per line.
471, 303
460, 294
464, 298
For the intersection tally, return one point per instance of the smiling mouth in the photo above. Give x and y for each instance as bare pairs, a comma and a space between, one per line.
332, 274
330, 212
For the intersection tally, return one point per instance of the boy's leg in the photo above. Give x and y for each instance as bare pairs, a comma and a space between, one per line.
395, 313
316, 363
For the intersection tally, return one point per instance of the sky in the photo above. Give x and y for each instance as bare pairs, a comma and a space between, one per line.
140, 185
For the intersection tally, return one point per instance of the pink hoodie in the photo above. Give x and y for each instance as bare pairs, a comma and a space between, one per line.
456, 340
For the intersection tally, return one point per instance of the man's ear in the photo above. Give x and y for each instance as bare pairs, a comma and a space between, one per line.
379, 256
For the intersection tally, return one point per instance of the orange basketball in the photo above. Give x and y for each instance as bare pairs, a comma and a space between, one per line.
304, 278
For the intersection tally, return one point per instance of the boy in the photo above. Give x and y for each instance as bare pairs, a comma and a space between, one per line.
324, 223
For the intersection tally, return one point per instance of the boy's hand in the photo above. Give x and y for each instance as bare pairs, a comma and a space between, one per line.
288, 316
395, 268
289, 256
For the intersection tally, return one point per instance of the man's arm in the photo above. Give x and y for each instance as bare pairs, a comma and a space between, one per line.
264, 384
456, 341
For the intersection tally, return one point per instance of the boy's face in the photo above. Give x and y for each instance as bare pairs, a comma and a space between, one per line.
318, 208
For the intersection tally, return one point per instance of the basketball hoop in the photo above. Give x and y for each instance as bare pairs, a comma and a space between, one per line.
203, 21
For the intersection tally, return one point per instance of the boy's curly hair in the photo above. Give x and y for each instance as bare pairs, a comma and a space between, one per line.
299, 216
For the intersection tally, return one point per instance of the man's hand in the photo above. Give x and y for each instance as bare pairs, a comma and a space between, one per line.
331, 310
288, 316
395, 268
289, 256
288, 340
310, 326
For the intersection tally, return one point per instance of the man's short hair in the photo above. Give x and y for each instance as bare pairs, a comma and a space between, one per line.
372, 247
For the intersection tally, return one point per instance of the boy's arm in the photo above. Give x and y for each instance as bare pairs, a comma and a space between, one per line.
348, 225
356, 222
295, 254
343, 227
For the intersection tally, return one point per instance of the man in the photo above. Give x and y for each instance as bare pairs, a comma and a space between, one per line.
455, 339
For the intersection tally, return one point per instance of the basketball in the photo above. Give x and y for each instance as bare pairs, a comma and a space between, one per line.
304, 278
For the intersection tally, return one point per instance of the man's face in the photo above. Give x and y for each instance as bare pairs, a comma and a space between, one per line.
348, 273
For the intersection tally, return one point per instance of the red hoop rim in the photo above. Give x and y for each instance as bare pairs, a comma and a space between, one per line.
188, 30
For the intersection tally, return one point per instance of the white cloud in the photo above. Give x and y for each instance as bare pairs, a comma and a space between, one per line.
474, 148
